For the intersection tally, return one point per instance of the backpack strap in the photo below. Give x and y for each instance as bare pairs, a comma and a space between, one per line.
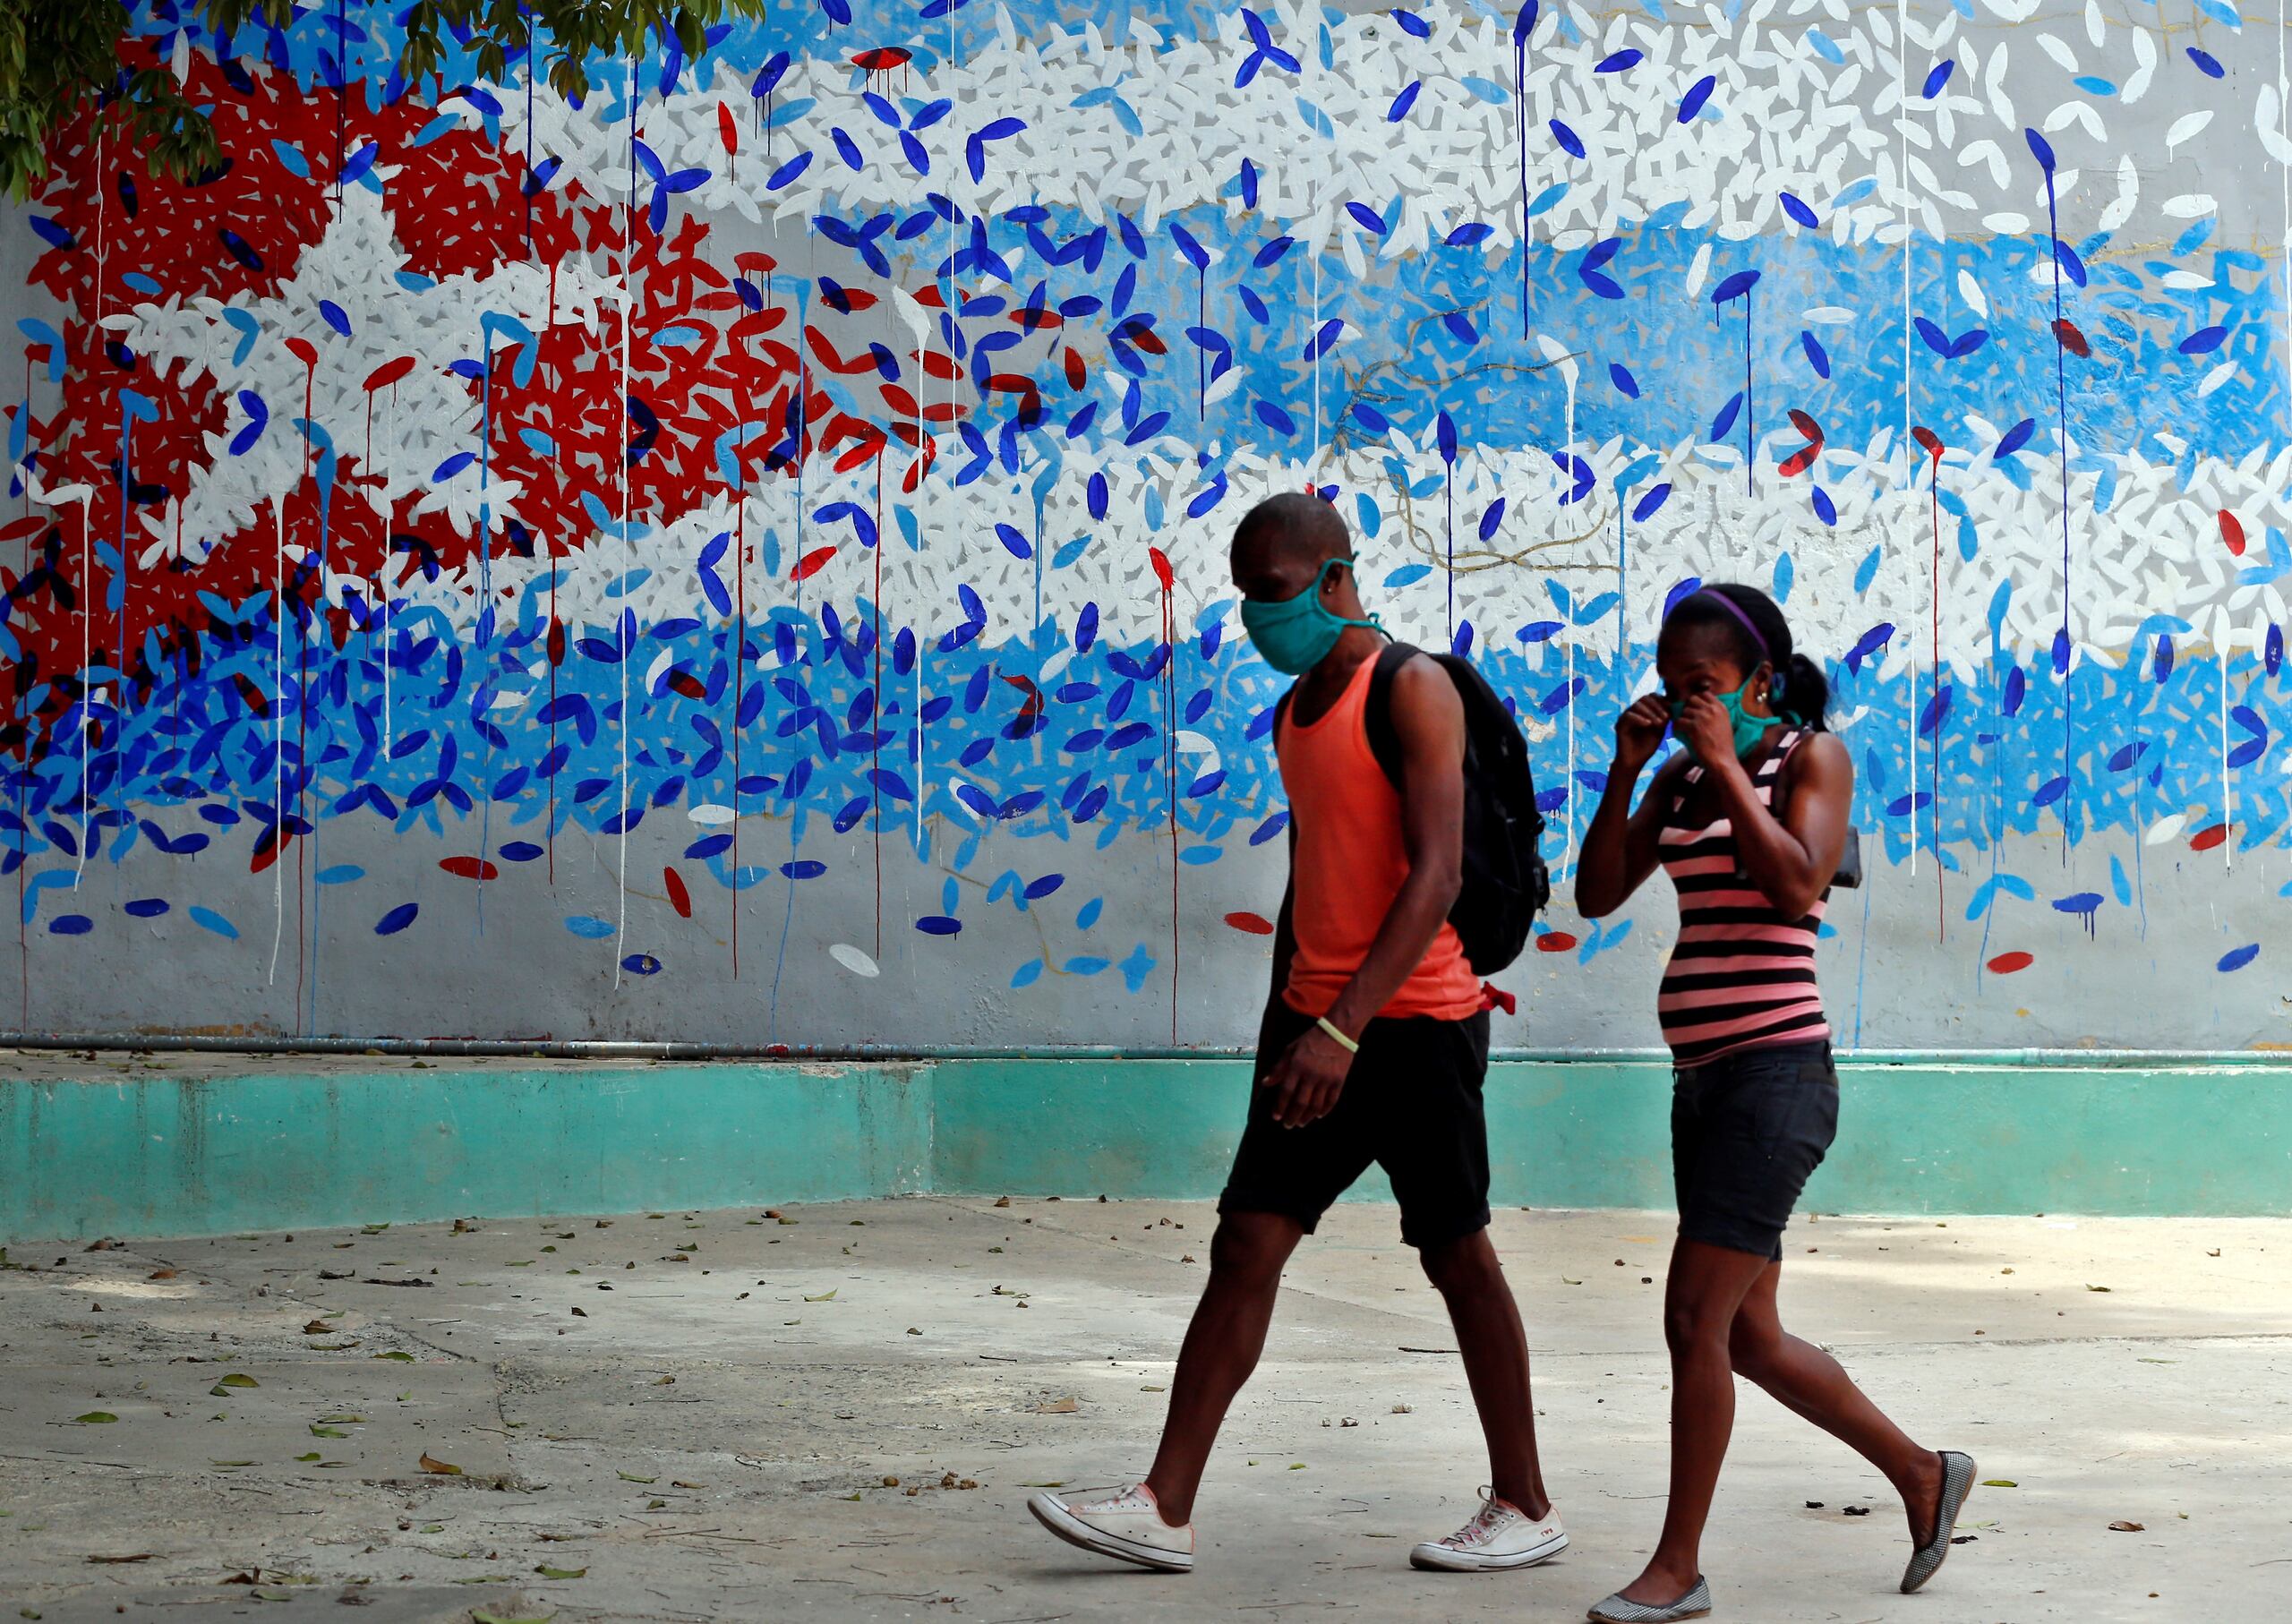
1377, 712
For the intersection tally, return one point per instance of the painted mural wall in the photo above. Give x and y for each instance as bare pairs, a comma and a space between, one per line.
742, 558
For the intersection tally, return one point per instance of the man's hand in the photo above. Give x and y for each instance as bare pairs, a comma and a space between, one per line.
1640, 730
1706, 730
1307, 1079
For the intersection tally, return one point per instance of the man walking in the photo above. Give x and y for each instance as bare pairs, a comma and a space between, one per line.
1374, 1048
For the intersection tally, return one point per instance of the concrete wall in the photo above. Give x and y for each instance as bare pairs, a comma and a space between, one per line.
189, 1146
704, 673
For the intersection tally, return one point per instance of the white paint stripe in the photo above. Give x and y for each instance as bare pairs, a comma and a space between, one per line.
1783, 117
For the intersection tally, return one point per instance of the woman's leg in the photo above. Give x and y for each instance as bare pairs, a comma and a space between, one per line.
1700, 1299
1803, 1378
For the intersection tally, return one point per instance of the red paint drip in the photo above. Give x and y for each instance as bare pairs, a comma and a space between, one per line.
1163, 573
876, 731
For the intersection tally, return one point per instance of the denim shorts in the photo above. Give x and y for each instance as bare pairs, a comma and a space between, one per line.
1747, 1130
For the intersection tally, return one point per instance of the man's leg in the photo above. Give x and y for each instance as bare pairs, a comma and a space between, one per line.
1495, 1349
1221, 1349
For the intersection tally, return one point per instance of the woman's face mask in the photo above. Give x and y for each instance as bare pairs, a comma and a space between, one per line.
1295, 634
1749, 729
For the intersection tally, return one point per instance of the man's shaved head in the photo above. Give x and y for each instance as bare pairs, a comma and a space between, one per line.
1284, 546
1290, 528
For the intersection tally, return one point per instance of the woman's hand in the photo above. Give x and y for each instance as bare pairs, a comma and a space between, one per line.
1704, 729
1640, 730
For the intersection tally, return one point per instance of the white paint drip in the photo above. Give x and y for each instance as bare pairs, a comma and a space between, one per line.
628, 319
1908, 445
278, 747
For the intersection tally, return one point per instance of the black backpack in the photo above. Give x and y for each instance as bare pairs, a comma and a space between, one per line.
1505, 882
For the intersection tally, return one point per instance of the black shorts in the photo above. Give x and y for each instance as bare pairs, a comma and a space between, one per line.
1747, 1130
1411, 1104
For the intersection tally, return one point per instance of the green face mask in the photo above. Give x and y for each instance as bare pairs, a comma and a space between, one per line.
1749, 730
1295, 634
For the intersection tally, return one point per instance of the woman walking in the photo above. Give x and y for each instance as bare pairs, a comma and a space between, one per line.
1750, 823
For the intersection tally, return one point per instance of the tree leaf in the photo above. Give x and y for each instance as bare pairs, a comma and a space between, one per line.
95, 1418
439, 1468
547, 1572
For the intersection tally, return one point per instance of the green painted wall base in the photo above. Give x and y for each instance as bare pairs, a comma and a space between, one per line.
159, 1155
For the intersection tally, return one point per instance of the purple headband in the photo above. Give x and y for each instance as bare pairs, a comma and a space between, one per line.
1729, 604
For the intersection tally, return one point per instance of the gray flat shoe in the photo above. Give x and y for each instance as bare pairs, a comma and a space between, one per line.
1695, 1605
1957, 1483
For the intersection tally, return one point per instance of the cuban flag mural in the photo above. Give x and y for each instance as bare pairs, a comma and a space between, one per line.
740, 556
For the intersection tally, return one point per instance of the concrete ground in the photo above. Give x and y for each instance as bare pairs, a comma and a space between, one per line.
702, 1415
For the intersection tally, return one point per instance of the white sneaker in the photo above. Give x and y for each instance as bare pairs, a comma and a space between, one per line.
1127, 1526
1501, 1536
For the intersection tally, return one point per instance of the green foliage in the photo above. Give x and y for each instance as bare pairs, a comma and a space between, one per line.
62, 58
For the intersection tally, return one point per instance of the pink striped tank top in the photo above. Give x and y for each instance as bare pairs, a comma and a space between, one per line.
1742, 976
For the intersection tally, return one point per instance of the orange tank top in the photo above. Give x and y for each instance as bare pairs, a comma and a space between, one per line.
1350, 864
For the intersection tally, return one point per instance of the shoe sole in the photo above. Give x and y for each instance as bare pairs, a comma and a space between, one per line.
1601, 1617
1434, 1559
1075, 1532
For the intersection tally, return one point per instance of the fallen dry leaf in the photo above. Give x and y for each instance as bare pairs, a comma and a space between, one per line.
1056, 1407
439, 1468
2128, 1527
145, 1556
316, 1328
162, 1274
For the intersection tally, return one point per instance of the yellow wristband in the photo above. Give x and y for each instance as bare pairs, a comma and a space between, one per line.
1351, 1046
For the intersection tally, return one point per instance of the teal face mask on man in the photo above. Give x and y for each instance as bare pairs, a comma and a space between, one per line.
1295, 634
1749, 730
